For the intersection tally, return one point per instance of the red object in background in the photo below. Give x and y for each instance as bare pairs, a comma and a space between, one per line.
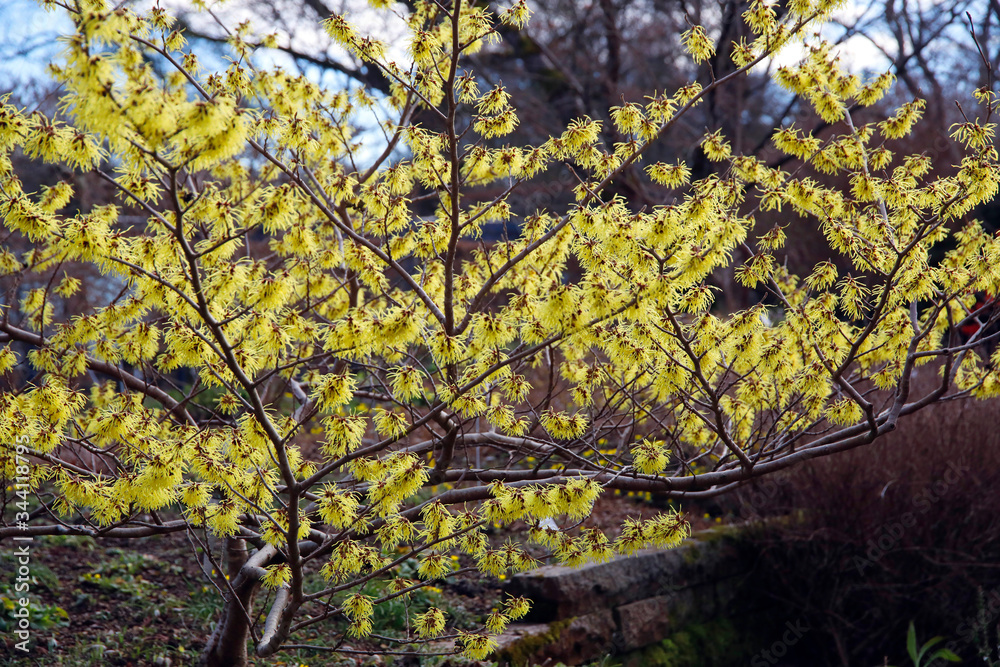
972, 326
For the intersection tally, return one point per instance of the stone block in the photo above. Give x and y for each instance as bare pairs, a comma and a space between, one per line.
644, 622
571, 641
559, 592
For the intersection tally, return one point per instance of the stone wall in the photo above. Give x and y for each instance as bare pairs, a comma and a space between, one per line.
628, 603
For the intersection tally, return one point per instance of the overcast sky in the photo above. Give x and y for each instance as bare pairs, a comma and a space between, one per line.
27, 41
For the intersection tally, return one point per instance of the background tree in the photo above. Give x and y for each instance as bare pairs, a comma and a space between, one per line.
583, 58
291, 358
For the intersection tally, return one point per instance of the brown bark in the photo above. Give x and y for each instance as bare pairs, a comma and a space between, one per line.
227, 647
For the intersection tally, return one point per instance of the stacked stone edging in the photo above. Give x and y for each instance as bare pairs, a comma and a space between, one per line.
627, 603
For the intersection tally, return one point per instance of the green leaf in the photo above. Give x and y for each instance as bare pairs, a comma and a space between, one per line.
911, 644
927, 647
945, 654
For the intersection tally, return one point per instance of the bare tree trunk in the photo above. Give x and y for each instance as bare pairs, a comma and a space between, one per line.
227, 647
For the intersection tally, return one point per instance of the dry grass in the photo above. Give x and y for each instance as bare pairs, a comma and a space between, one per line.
905, 528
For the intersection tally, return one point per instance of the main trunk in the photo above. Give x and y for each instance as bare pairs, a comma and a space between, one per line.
227, 647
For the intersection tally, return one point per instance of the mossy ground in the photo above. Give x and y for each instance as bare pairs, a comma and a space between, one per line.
715, 643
